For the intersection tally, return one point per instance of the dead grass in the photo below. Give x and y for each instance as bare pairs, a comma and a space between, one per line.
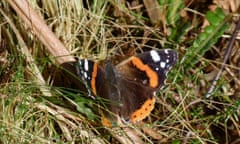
39, 104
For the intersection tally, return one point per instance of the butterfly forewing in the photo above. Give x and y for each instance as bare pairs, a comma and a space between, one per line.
149, 68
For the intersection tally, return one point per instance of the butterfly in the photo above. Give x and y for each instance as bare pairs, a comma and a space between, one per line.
130, 86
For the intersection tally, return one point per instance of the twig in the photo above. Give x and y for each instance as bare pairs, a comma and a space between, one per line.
37, 24
226, 56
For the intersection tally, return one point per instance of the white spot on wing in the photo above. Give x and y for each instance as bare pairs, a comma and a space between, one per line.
167, 60
86, 65
85, 75
155, 56
166, 51
144, 81
162, 64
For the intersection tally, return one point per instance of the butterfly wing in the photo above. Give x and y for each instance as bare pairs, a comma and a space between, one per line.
103, 83
139, 77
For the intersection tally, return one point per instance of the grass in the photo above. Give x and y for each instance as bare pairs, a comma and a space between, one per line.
39, 104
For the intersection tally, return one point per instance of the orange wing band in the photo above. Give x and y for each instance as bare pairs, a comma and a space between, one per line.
152, 75
93, 81
106, 122
144, 111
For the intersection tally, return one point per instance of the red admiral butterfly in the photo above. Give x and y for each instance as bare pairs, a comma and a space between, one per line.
130, 86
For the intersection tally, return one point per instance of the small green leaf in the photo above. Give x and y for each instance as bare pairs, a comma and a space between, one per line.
205, 40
